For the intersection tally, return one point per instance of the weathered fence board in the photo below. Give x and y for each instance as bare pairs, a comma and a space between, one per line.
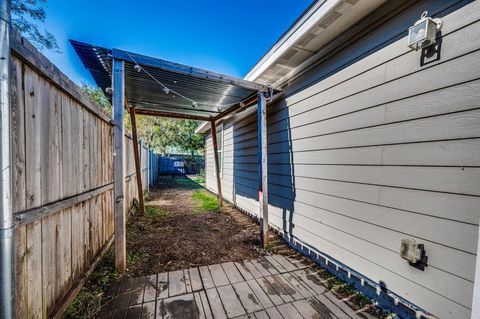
62, 183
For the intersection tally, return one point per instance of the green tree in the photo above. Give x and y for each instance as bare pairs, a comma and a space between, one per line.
158, 133
96, 94
25, 15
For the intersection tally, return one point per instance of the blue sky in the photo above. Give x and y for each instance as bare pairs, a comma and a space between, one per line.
224, 36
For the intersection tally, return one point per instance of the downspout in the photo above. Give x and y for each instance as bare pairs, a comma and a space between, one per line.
6, 208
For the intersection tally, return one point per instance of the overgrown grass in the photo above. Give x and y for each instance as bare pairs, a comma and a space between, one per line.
91, 297
156, 212
205, 202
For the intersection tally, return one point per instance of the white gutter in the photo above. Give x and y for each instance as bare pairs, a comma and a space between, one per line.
316, 12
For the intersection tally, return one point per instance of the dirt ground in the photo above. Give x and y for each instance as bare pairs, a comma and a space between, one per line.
178, 232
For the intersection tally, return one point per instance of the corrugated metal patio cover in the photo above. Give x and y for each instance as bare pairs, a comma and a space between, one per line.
213, 93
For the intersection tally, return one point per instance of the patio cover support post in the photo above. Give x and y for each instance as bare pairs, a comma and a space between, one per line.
118, 167
136, 154
262, 167
215, 156
6, 164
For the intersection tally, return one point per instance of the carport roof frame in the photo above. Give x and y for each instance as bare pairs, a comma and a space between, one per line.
216, 94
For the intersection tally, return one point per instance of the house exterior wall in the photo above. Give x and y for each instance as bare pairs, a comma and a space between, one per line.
375, 144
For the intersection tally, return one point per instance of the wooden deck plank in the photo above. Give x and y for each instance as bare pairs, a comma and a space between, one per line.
134, 312
176, 283
336, 310
273, 313
261, 315
288, 287
311, 279
206, 277
272, 270
280, 289
199, 305
288, 311
285, 262
137, 291
148, 310
159, 309
123, 300
195, 279
243, 270
275, 264
206, 305
270, 291
188, 284
247, 297
231, 303
260, 293
252, 269
119, 313
345, 307
180, 307
218, 275
307, 311
215, 304
150, 292
297, 285
260, 267
162, 285
232, 272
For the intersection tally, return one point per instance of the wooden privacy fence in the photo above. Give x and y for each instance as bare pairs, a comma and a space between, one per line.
63, 183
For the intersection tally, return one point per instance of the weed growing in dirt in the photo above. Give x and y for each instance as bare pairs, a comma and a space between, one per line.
205, 201
91, 297
146, 195
356, 297
155, 212
134, 257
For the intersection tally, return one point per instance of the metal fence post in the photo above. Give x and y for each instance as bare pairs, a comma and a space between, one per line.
6, 179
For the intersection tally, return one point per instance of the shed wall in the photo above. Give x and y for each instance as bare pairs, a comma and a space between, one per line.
374, 144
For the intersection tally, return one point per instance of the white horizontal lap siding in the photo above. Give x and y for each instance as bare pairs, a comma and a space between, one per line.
369, 147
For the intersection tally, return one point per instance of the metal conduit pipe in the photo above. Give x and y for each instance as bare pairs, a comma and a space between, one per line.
6, 202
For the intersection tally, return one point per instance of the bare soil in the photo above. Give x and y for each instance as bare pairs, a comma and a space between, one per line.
184, 236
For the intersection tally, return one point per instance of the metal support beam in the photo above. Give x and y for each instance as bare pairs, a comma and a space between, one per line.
136, 154
173, 115
215, 156
262, 167
6, 164
118, 166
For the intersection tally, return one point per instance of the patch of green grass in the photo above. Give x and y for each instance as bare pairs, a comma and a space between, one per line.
91, 297
185, 183
199, 180
205, 201
156, 212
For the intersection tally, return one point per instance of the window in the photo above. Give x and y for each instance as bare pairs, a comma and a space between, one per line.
219, 150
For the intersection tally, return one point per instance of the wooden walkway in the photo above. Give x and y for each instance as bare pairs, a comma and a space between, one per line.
274, 287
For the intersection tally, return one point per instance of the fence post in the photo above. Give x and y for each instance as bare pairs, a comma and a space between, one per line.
6, 179
136, 157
